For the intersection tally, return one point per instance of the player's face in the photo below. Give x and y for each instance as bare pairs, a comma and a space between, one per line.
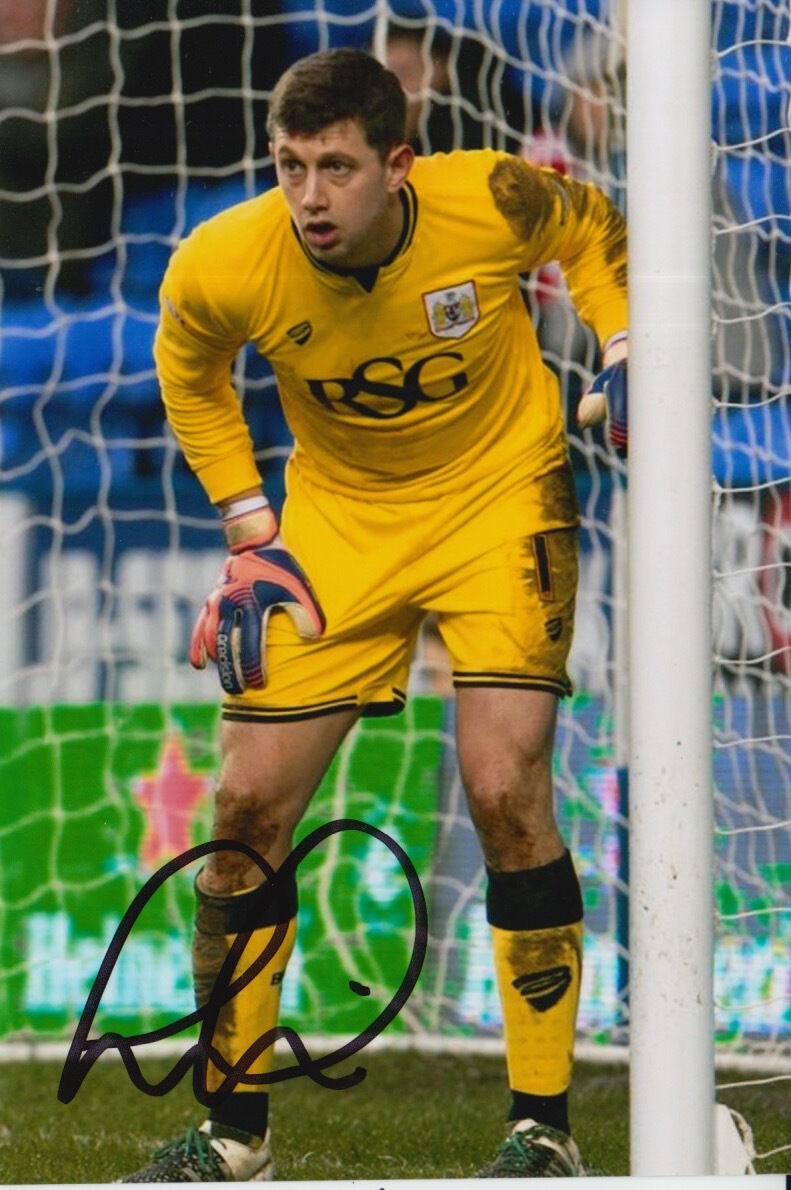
342, 196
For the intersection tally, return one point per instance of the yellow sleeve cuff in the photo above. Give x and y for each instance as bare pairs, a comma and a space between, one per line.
227, 477
610, 319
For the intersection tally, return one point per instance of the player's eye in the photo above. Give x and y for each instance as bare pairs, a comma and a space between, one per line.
290, 165
339, 169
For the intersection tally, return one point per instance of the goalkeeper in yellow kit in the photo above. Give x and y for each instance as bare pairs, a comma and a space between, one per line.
429, 475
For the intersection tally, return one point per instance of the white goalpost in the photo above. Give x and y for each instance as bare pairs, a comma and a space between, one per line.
670, 768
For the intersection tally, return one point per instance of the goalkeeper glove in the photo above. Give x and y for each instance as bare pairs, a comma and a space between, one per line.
607, 398
258, 576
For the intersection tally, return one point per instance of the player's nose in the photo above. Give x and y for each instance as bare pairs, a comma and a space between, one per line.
313, 196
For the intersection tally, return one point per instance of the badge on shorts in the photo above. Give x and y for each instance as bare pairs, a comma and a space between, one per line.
452, 312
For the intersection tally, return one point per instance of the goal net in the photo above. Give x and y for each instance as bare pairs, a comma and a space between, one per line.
122, 127
751, 192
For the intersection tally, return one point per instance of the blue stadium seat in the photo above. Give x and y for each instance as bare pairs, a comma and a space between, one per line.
152, 222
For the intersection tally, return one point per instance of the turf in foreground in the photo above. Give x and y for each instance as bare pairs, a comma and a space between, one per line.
413, 1116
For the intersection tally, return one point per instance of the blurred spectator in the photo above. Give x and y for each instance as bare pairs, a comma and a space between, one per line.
28, 21
88, 120
751, 104
542, 66
101, 172
419, 57
36, 156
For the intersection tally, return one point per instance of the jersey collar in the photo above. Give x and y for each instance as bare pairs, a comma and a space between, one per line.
366, 277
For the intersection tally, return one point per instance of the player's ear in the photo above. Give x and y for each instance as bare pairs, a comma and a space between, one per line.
399, 163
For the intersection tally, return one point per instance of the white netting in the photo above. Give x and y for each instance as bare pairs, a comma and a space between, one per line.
121, 127
751, 101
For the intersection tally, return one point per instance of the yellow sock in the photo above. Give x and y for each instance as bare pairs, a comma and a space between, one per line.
538, 975
535, 917
254, 1009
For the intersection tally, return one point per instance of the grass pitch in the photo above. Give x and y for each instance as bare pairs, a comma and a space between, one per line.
414, 1116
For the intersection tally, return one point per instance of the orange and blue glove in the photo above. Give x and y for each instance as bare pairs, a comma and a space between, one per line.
607, 397
258, 577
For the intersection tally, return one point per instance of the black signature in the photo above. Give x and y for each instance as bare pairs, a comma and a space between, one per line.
84, 1051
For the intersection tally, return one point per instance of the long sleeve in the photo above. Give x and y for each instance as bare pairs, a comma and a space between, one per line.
557, 218
194, 351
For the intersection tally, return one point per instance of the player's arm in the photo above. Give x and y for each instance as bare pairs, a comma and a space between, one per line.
592, 254
194, 351
558, 218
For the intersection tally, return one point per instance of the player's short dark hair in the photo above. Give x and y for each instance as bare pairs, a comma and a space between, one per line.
335, 85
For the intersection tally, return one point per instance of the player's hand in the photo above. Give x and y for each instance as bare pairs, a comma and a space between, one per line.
607, 399
231, 628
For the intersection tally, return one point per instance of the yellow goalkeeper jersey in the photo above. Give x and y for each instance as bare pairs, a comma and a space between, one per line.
405, 381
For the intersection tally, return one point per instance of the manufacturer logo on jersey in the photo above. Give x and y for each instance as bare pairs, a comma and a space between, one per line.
300, 333
452, 312
174, 313
542, 989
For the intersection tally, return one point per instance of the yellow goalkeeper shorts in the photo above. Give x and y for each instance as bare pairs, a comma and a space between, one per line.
493, 566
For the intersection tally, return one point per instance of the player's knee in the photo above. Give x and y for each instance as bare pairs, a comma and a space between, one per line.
487, 785
248, 819
255, 818
493, 778
501, 799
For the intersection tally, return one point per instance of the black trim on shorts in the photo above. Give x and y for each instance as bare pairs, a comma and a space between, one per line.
377, 710
513, 681
252, 714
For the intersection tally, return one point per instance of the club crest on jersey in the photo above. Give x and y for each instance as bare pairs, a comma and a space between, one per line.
452, 312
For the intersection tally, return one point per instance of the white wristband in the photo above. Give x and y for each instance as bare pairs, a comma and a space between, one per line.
242, 507
615, 348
